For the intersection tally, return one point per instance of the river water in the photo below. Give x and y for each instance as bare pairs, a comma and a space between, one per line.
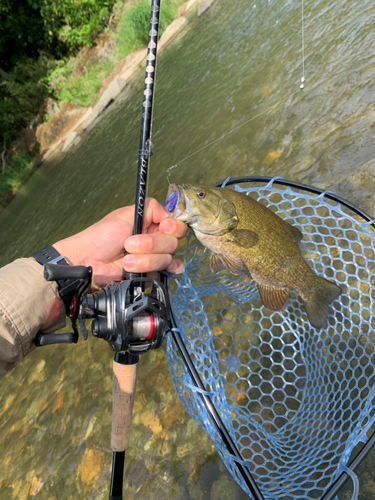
231, 78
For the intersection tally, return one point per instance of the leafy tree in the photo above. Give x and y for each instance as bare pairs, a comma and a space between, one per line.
32, 34
21, 95
58, 27
75, 22
21, 31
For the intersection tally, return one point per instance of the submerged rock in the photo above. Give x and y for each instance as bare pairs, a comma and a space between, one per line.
225, 488
91, 466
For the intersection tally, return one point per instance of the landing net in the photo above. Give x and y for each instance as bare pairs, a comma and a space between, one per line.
296, 401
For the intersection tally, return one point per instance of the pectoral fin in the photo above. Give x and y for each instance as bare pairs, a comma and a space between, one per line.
274, 298
295, 232
243, 238
220, 262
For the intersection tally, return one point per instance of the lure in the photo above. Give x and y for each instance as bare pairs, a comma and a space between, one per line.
171, 202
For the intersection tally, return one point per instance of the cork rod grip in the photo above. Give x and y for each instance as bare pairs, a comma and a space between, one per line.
124, 382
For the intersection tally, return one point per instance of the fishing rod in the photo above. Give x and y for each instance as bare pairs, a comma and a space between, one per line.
125, 365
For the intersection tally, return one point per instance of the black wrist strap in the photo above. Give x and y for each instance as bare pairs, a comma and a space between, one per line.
66, 288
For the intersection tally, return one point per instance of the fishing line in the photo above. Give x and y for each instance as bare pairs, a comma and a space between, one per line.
302, 86
226, 134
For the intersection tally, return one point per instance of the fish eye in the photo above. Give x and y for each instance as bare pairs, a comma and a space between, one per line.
201, 193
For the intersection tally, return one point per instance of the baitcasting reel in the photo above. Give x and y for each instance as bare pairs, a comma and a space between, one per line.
124, 315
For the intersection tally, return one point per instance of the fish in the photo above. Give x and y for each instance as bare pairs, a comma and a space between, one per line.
244, 236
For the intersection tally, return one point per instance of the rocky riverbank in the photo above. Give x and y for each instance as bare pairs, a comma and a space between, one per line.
64, 130
54, 138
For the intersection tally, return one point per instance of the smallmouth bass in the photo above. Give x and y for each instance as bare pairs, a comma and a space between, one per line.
246, 237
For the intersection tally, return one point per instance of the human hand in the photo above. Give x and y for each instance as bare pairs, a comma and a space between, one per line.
102, 245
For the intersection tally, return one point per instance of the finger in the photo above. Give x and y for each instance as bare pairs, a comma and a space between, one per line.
145, 263
153, 228
153, 212
173, 227
175, 267
156, 243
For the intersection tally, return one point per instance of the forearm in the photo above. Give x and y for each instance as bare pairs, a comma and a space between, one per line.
28, 304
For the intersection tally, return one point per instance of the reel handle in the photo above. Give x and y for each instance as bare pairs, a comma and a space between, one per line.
43, 339
54, 272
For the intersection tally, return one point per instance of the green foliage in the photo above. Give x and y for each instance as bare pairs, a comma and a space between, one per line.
15, 174
54, 28
75, 23
21, 95
135, 24
133, 28
78, 81
106, 66
168, 13
58, 27
81, 90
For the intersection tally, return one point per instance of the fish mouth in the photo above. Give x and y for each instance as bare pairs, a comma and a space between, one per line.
175, 204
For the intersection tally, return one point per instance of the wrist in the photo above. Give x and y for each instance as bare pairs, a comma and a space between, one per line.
69, 249
66, 287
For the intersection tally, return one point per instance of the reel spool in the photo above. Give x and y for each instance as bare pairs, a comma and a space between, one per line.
295, 400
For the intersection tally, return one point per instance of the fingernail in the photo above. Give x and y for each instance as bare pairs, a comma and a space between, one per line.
132, 242
176, 268
129, 261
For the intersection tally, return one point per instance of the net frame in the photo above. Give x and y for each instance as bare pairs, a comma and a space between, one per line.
277, 479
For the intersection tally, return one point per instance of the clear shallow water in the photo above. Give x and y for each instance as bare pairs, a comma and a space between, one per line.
239, 63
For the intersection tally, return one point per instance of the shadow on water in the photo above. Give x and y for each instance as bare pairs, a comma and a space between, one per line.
239, 65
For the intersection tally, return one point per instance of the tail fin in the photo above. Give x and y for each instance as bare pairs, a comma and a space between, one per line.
317, 305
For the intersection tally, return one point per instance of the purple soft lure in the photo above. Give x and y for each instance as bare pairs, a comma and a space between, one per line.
171, 202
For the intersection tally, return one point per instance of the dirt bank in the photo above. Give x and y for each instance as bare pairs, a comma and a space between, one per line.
64, 130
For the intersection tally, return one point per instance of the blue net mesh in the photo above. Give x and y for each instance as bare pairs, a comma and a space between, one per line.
295, 400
